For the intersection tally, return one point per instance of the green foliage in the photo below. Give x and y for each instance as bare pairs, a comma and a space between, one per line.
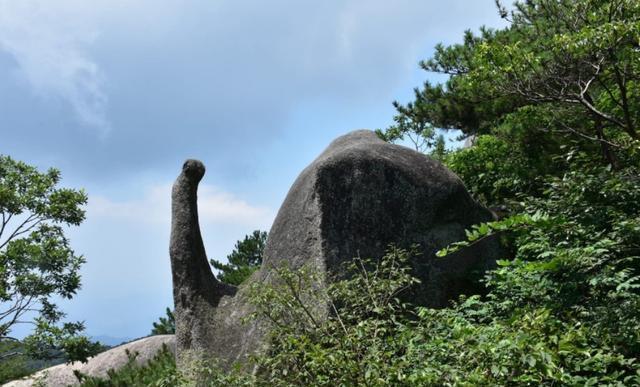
48, 338
562, 71
160, 372
13, 366
581, 55
16, 361
439, 151
37, 263
552, 91
166, 325
570, 295
343, 335
210, 374
458, 103
422, 135
427, 140
495, 171
340, 335
245, 258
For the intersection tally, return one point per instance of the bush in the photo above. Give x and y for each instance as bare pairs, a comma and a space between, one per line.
494, 170
12, 366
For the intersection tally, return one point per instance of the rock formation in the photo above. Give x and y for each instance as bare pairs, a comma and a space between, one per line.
360, 195
62, 375
196, 292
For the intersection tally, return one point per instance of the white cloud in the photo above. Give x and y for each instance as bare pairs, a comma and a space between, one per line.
49, 42
214, 207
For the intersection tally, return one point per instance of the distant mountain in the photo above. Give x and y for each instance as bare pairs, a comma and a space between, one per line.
110, 340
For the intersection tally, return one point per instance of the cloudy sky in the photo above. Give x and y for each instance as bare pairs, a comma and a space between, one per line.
117, 93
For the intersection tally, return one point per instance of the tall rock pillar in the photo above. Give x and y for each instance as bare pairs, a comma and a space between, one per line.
196, 291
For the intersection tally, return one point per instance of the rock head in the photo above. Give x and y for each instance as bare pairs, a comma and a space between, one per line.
357, 198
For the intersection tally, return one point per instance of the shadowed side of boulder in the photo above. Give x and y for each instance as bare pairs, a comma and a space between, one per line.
373, 194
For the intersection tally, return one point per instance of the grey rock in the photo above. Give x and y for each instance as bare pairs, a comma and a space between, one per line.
470, 141
358, 197
115, 358
196, 292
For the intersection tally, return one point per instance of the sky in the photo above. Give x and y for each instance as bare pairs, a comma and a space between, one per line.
118, 93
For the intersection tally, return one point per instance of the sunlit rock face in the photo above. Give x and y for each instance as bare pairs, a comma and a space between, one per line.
358, 197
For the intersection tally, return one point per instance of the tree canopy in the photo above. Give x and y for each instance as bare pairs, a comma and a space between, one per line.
37, 263
245, 258
165, 325
562, 71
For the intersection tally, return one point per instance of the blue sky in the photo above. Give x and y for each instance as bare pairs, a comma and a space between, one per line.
117, 93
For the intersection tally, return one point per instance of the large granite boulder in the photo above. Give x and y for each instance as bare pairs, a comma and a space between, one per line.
358, 197
62, 375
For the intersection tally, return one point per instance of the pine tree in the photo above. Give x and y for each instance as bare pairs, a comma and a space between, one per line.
166, 325
243, 260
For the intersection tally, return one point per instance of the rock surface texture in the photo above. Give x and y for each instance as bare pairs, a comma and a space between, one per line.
115, 358
360, 195
196, 292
